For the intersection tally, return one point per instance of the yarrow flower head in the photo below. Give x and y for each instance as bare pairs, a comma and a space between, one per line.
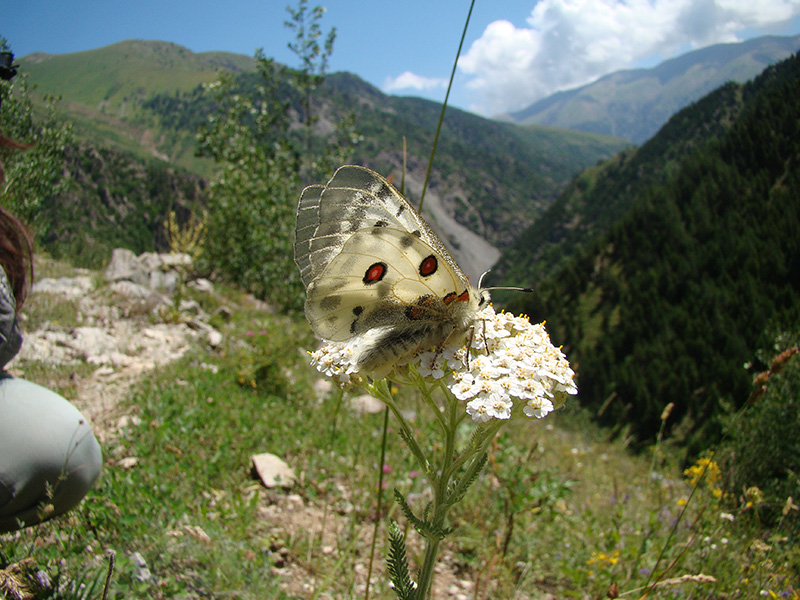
336, 360
509, 366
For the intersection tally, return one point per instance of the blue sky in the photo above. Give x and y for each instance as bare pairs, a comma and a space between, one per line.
516, 51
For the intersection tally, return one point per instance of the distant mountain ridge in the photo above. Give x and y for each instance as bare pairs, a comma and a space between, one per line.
153, 66
634, 104
102, 91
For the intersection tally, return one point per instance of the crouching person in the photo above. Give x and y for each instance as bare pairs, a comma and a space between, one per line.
49, 457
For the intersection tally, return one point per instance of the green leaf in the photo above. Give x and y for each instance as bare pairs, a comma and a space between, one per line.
397, 564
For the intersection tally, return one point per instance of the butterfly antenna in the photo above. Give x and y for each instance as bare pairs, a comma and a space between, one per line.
516, 289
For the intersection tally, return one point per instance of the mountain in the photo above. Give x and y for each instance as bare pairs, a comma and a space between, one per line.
684, 270
490, 179
103, 92
634, 104
601, 195
117, 200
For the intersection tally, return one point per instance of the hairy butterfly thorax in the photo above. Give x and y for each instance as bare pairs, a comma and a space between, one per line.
376, 275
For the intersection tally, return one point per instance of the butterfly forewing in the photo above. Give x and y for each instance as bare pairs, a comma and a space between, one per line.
355, 198
307, 224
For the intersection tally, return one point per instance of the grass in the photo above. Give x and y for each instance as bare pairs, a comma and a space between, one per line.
560, 512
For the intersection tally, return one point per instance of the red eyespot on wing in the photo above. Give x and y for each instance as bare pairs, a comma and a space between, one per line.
428, 266
453, 297
375, 273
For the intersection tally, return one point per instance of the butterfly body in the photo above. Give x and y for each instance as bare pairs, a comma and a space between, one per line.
375, 273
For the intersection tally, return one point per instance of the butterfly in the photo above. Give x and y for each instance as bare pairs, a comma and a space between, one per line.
375, 273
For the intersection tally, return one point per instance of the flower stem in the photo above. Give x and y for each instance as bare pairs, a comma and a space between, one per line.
441, 504
426, 571
380, 389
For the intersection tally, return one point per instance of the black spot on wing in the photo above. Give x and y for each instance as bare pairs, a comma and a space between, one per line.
330, 302
376, 228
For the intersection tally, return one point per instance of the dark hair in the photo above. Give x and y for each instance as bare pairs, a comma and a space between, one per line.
16, 255
16, 243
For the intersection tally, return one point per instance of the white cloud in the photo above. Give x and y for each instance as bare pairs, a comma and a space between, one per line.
572, 42
412, 81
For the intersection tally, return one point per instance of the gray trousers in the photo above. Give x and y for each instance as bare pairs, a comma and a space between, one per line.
49, 457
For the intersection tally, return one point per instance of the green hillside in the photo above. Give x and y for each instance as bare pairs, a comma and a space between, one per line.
102, 91
601, 195
698, 274
122, 73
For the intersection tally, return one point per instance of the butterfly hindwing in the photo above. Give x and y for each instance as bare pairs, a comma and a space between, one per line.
378, 279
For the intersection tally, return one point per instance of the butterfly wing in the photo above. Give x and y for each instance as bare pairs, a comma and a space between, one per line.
374, 271
355, 198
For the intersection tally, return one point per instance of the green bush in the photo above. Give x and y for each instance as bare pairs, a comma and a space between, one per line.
764, 447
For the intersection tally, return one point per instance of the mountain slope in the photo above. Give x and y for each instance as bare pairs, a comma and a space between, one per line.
698, 275
491, 178
126, 71
117, 200
634, 104
601, 195
103, 91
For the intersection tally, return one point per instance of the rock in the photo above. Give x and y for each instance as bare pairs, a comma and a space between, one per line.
273, 471
150, 269
191, 307
143, 573
214, 338
92, 344
50, 347
202, 285
151, 261
164, 280
295, 502
366, 404
136, 291
224, 313
69, 287
198, 325
125, 266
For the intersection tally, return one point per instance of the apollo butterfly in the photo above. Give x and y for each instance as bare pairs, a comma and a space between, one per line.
376, 274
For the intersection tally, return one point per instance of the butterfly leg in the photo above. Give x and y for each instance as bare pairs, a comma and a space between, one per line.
485, 341
469, 346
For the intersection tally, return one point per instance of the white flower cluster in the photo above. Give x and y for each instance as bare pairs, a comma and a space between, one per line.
336, 360
508, 361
